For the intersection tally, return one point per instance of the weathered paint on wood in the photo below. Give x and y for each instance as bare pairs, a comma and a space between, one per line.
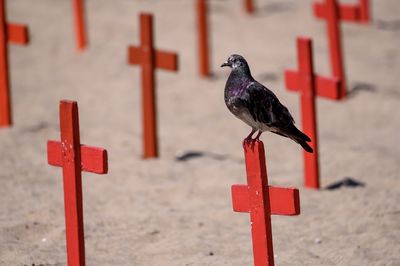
261, 200
74, 158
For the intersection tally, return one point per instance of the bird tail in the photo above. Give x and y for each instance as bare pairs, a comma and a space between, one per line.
305, 146
300, 138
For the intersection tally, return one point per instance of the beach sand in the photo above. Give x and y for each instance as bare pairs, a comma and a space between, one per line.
172, 212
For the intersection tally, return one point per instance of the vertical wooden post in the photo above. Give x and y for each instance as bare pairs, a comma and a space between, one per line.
203, 43
248, 6
260, 216
308, 111
148, 88
71, 161
80, 25
5, 98
261, 200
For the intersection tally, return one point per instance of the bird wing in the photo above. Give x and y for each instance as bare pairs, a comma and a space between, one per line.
265, 107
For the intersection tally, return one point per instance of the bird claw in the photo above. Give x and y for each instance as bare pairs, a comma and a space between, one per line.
249, 141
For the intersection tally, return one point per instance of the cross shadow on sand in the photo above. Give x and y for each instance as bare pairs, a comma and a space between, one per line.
274, 8
36, 127
388, 25
214, 76
192, 155
267, 77
345, 182
359, 87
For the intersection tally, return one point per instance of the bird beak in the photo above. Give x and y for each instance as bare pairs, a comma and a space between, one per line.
226, 64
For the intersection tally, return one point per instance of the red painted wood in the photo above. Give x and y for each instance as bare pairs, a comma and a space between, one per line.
324, 86
149, 59
5, 98
135, 55
261, 201
346, 12
310, 86
18, 33
203, 45
248, 6
80, 25
327, 87
163, 60
166, 60
94, 159
349, 13
283, 201
8, 33
365, 12
67, 154
359, 13
333, 12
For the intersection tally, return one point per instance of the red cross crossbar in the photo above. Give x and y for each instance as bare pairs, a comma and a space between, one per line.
309, 86
347, 12
332, 12
150, 59
17, 34
94, 160
261, 201
74, 158
280, 200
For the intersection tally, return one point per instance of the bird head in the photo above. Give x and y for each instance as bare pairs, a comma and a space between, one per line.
235, 61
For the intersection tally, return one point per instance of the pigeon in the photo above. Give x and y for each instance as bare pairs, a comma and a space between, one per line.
257, 106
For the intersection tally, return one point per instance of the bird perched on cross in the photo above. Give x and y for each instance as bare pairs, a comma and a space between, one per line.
257, 106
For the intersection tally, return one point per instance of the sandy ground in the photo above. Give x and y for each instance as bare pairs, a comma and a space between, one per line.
171, 212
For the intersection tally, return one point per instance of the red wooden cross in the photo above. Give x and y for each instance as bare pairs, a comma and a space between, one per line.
14, 33
262, 200
309, 85
202, 28
248, 6
74, 158
150, 59
332, 12
79, 21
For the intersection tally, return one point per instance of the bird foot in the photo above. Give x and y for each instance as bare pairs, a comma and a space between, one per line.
250, 141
